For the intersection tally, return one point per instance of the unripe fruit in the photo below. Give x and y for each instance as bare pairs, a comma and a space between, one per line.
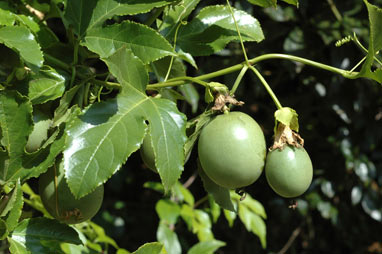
147, 153
289, 171
39, 133
232, 150
60, 202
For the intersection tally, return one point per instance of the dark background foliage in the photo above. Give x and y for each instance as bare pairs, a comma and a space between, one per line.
340, 120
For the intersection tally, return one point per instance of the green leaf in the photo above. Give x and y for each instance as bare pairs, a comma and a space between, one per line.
202, 225
169, 239
3, 229
288, 117
7, 18
183, 194
230, 217
45, 86
375, 43
215, 209
84, 15
144, 42
175, 14
264, 3
191, 95
167, 211
293, 2
214, 27
254, 205
253, 223
13, 216
101, 140
41, 235
220, 194
24, 42
16, 125
151, 248
207, 247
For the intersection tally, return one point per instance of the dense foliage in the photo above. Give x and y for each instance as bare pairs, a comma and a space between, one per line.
84, 84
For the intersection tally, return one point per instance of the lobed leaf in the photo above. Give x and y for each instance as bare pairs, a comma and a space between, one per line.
147, 44
101, 140
214, 27
23, 41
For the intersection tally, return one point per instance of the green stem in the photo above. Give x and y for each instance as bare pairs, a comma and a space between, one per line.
238, 33
174, 47
335, 11
238, 79
176, 81
267, 87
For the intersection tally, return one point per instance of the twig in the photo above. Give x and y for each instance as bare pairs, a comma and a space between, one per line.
291, 239
190, 180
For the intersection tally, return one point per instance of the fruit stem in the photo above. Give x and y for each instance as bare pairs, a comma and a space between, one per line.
267, 87
238, 79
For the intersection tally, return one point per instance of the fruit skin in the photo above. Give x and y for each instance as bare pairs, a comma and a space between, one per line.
232, 150
40, 131
68, 210
289, 172
147, 153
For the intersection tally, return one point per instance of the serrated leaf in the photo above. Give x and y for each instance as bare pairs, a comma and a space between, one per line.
264, 3
169, 239
96, 148
214, 27
45, 86
221, 195
175, 14
151, 248
41, 235
375, 43
13, 217
207, 247
288, 117
147, 44
84, 15
23, 41
16, 124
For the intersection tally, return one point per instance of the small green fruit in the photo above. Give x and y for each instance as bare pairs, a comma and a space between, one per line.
232, 150
289, 171
60, 202
39, 133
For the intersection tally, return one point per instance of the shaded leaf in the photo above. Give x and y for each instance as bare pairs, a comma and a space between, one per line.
13, 216
264, 3
144, 42
214, 27
191, 95
45, 86
84, 15
3, 229
221, 195
41, 235
24, 42
207, 247
253, 223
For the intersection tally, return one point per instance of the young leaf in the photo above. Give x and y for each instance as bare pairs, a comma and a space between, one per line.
167, 211
207, 247
83, 15
288, 117
24, 42
169, 239
253, 223
96, 147
214, 27
151, 248
41, 235
144, 42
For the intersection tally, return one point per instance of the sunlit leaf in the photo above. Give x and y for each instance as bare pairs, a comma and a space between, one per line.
169, 239
207, 247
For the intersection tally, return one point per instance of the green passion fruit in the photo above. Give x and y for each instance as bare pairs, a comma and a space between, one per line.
147, 153
40, 131
60, 202
289, 171
232, 150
